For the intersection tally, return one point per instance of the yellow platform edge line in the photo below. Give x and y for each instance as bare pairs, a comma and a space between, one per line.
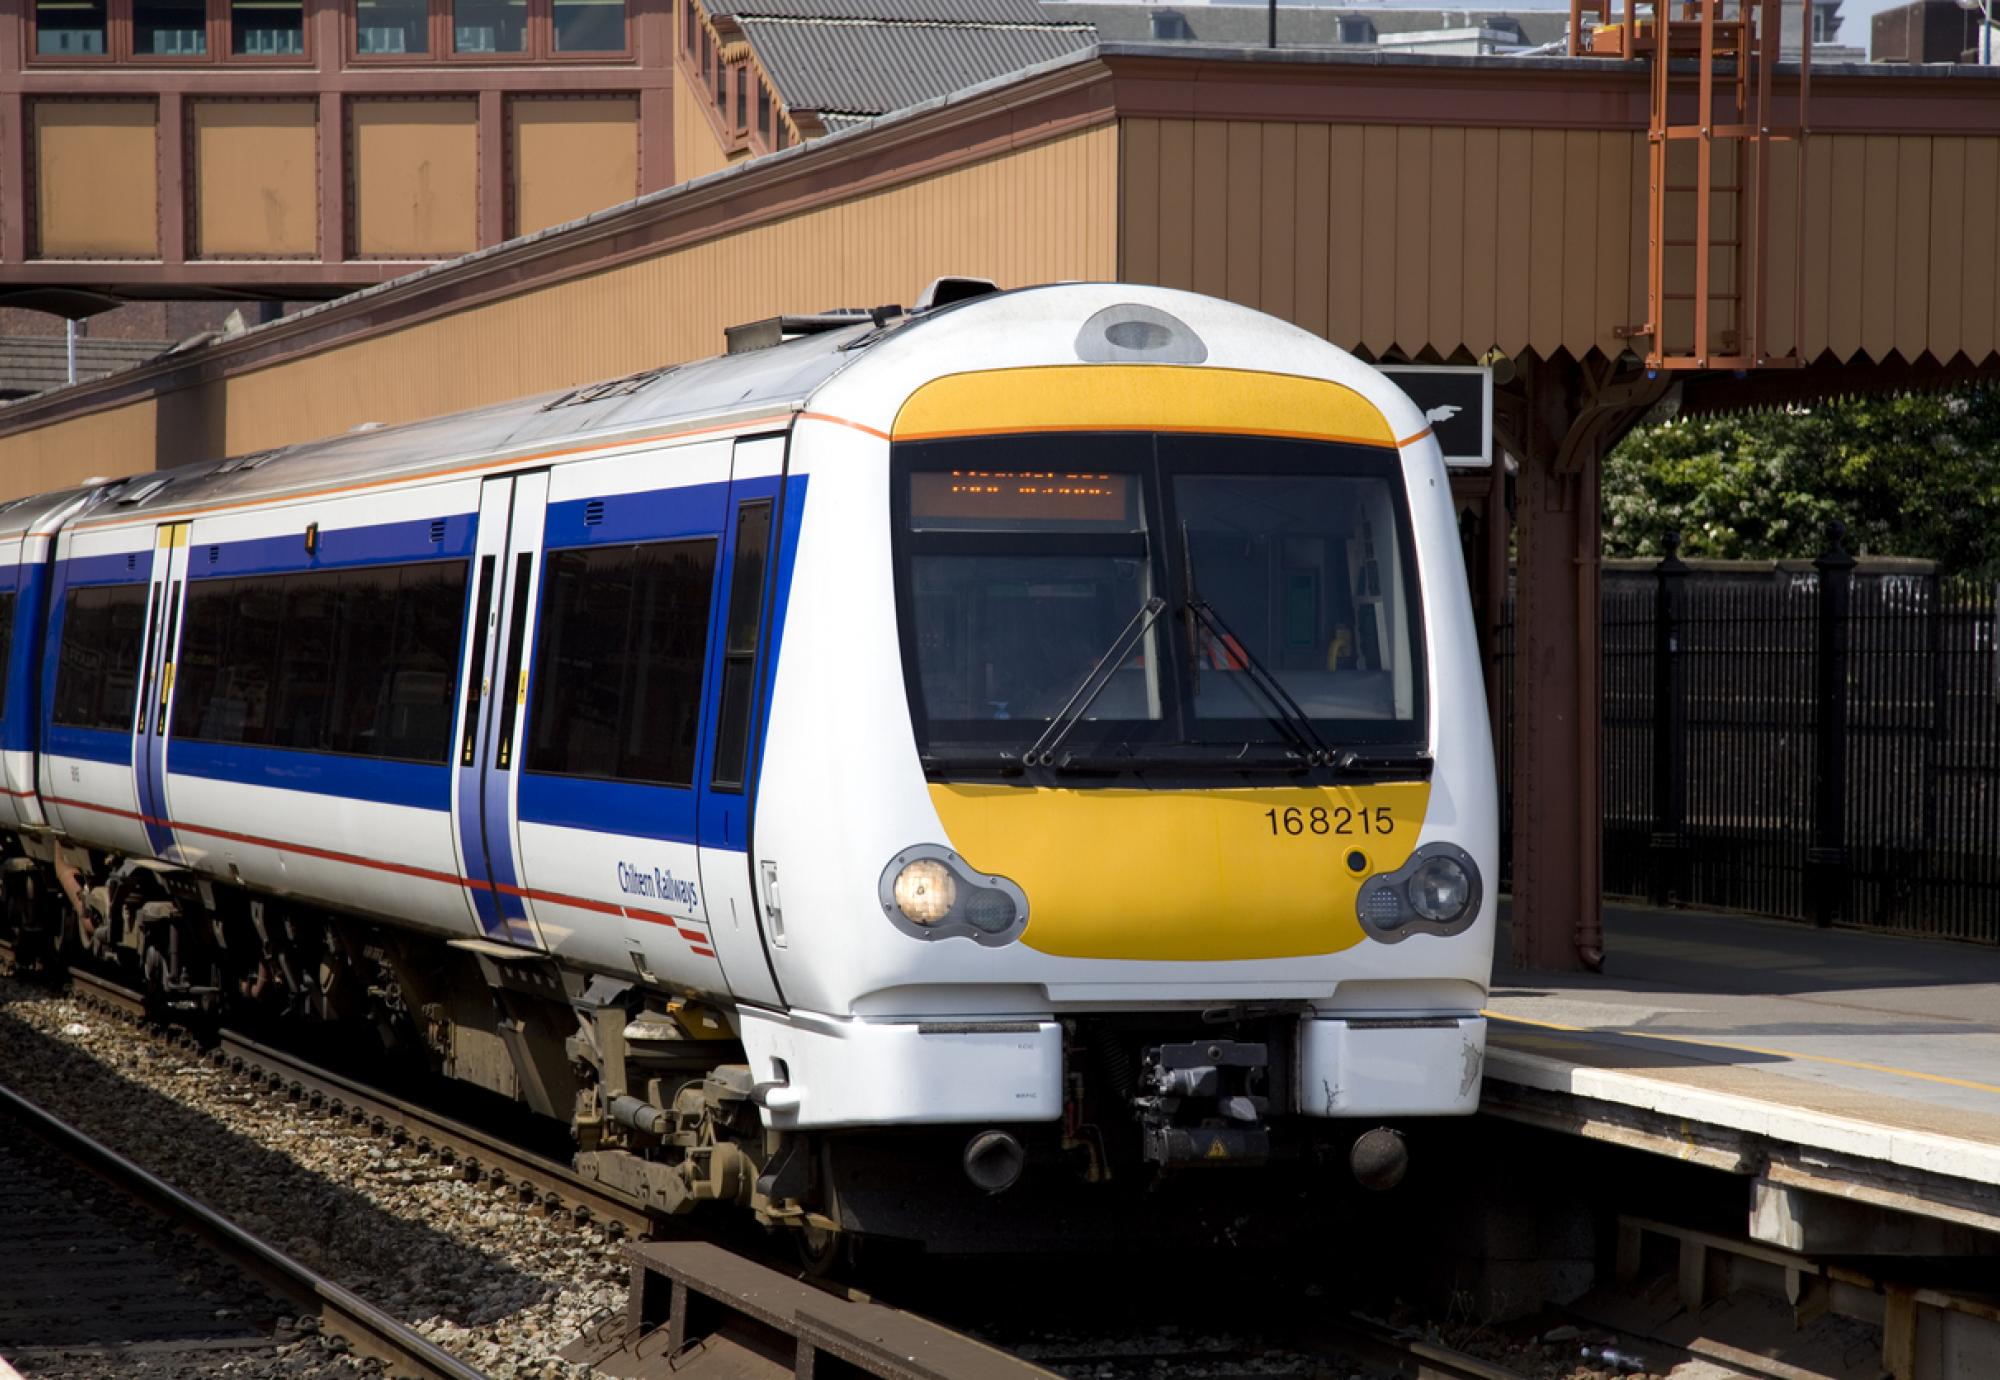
1945, 1079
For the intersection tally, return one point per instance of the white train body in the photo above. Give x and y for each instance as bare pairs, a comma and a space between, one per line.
659, 685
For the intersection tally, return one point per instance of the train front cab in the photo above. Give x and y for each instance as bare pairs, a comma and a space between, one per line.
1183, 828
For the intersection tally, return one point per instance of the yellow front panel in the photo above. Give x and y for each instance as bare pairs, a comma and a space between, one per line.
1185, 875
1140, 397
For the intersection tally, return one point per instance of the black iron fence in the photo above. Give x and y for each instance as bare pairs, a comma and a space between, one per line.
1812, 739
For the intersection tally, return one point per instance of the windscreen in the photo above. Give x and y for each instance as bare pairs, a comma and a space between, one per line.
1283, 568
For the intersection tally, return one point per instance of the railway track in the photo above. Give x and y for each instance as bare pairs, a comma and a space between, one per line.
709, 1271
369, 1330
478, 1154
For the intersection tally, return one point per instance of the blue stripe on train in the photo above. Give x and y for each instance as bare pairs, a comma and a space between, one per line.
610, 807
90, 744
121, 568
337, 548
420, 785
654, 515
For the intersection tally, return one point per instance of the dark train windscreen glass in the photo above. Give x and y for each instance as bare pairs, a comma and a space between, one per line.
1022, 560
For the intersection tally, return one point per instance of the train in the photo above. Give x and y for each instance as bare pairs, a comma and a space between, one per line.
1034, 740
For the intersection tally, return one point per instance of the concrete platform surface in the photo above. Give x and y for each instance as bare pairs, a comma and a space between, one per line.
1869, 1045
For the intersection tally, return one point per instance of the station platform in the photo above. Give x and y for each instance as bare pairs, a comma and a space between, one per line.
1836, 1062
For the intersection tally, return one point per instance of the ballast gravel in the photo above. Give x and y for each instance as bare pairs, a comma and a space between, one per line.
502, 1286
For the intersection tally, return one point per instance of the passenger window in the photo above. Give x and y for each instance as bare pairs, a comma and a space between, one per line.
618, 665
357, 661
408, 715
739, 651
306, 662
97, 669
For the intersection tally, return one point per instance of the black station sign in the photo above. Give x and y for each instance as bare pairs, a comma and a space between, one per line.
1457, 400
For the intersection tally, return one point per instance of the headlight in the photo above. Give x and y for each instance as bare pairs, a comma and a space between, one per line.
1440, 890
930, 892
1435, 891
925, 891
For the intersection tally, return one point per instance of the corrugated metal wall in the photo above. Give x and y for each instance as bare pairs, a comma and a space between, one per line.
1407, 237
1903, 246
98, 444
1396, 237
1043, 212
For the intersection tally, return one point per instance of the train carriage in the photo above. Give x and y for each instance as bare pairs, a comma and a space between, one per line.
1054, 715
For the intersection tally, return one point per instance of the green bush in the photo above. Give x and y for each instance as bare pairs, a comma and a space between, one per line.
1910, 475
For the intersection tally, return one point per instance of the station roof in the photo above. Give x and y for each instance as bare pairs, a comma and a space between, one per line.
851, 60
1310, 26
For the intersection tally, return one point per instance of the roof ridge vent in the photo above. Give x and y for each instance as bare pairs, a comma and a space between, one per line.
949, 291
776, 330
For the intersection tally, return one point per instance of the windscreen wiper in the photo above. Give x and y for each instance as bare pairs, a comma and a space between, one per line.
1290, 720
1043, 751
1389, 763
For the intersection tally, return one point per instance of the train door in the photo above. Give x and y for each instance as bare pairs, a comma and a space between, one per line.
34, 567
503, 585
17, 762
156, 683
611, 740
734, 681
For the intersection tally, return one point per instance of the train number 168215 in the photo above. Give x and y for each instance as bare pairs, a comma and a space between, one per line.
1337, 819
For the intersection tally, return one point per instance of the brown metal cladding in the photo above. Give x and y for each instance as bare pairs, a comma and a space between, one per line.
255, 187
1393, 238
991, 219
96, 179
415, 177
1447, 239
1043, 212
1979, 316
59, 457
571, 156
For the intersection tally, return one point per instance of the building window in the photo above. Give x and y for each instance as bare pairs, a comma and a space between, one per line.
590, 26
489, 26
764, 126
392, 28
267, 28
69, 28
169, 28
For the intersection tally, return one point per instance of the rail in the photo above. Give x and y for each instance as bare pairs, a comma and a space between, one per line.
552, 1183
369, 1330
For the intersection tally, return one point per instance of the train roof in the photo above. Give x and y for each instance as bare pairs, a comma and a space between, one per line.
757, 389
776, 380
